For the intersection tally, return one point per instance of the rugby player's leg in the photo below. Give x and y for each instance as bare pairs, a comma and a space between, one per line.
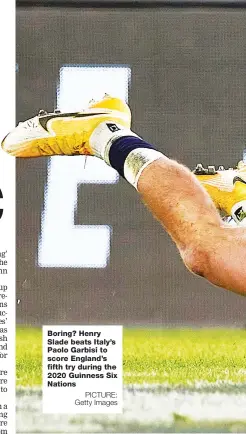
169, 189
184, 208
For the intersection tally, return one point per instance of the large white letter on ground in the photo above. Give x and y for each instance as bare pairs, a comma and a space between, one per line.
62, 244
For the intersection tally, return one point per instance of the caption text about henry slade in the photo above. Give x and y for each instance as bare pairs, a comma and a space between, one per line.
84, 365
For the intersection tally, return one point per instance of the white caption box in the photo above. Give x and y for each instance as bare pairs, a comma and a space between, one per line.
82, 369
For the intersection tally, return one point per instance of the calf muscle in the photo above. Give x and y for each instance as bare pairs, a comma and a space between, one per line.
186, 211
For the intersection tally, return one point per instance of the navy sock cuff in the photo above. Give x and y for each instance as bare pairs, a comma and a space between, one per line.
121, 148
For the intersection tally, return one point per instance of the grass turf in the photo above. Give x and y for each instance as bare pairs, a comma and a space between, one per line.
154, 356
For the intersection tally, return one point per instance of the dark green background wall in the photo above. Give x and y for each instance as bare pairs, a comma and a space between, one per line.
187, 96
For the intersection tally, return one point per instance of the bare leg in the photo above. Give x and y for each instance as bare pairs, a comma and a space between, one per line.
184, 208
171, 191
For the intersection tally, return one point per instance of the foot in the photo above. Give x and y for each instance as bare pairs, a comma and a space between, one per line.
227, 188
67, 133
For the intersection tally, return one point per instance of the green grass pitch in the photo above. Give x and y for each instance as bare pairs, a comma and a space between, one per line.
155, 356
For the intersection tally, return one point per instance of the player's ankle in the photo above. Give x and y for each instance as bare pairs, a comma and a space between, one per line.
130, 155
124, 150
104, 135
